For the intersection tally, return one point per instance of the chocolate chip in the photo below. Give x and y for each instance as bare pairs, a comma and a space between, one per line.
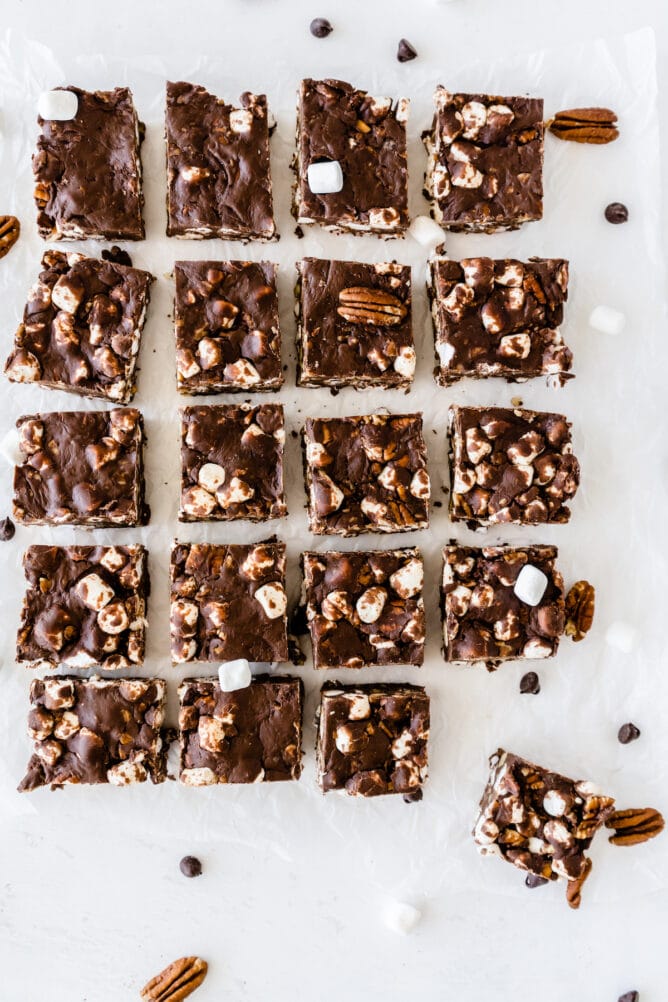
414, 797
616, 212
530, 683
533, 880
320, 27
117, 256
629, 997
299, 233
7, 530
190, 866
627, 733
405, 51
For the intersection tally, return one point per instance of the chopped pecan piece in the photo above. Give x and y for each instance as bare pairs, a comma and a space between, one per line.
10, 229
177, 981
635, 825
360, 305
585, 125
580, 604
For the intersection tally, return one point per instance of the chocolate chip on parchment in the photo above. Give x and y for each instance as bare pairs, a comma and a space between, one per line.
7, 530
616, 212
299, 233
405, 51
414, 797
320, 27
190, 866
533, 880
116, 256
627, 733
530, 683
629, 997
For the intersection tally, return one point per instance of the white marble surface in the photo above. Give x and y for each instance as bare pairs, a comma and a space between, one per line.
295, 888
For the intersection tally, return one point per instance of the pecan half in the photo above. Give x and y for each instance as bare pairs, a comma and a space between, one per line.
580, 604
574, 887
10, 229
585, 125
177, 981
635, 825
359, 305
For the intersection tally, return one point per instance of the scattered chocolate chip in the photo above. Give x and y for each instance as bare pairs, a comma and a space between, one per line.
117, 256
616, 212
294, 434
299, 232
414, 797
7, 530
629, 997
438, 504
190, 866
530, 683
627, 733
320, 27
405, 51
533, 880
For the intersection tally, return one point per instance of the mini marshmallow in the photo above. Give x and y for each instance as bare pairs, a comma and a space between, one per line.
9, 448
234, 675
607, 321
426, 232
325, 178
401, 917
622, 636
530, 585
58, 105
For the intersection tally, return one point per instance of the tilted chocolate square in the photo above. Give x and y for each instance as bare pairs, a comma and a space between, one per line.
540, 821
510, 466
96, 731
372, 739
366, 474
485, 168
499, 318
228, 602
227, 332
82, 327
484, 620
81, 468
218, 172
366, 137
88, 170
251, 735
354, 324
85, 606
232, 463
365, 608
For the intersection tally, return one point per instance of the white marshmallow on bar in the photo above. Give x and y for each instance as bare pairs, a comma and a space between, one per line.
605, 320
426, 231
325, 178
401, 917
234, 675
57, 105
622, 636
9, 448
530, 585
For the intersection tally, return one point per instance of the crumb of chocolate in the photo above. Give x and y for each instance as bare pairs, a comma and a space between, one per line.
627, 733
533, 880
414, 797
299, 232
7, 530
616, 213
320, 27
116, 256
405, 51
530, 683
190, 866
438, 504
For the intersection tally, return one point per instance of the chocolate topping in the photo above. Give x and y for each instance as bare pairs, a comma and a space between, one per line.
84, 606
252, 735
372, 739
367, 136
365, 608
362, 349
88, 172
95, 731
218, 174
227, 332
81, 468
228, 602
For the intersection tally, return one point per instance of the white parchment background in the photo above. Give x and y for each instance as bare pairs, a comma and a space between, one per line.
294, 883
